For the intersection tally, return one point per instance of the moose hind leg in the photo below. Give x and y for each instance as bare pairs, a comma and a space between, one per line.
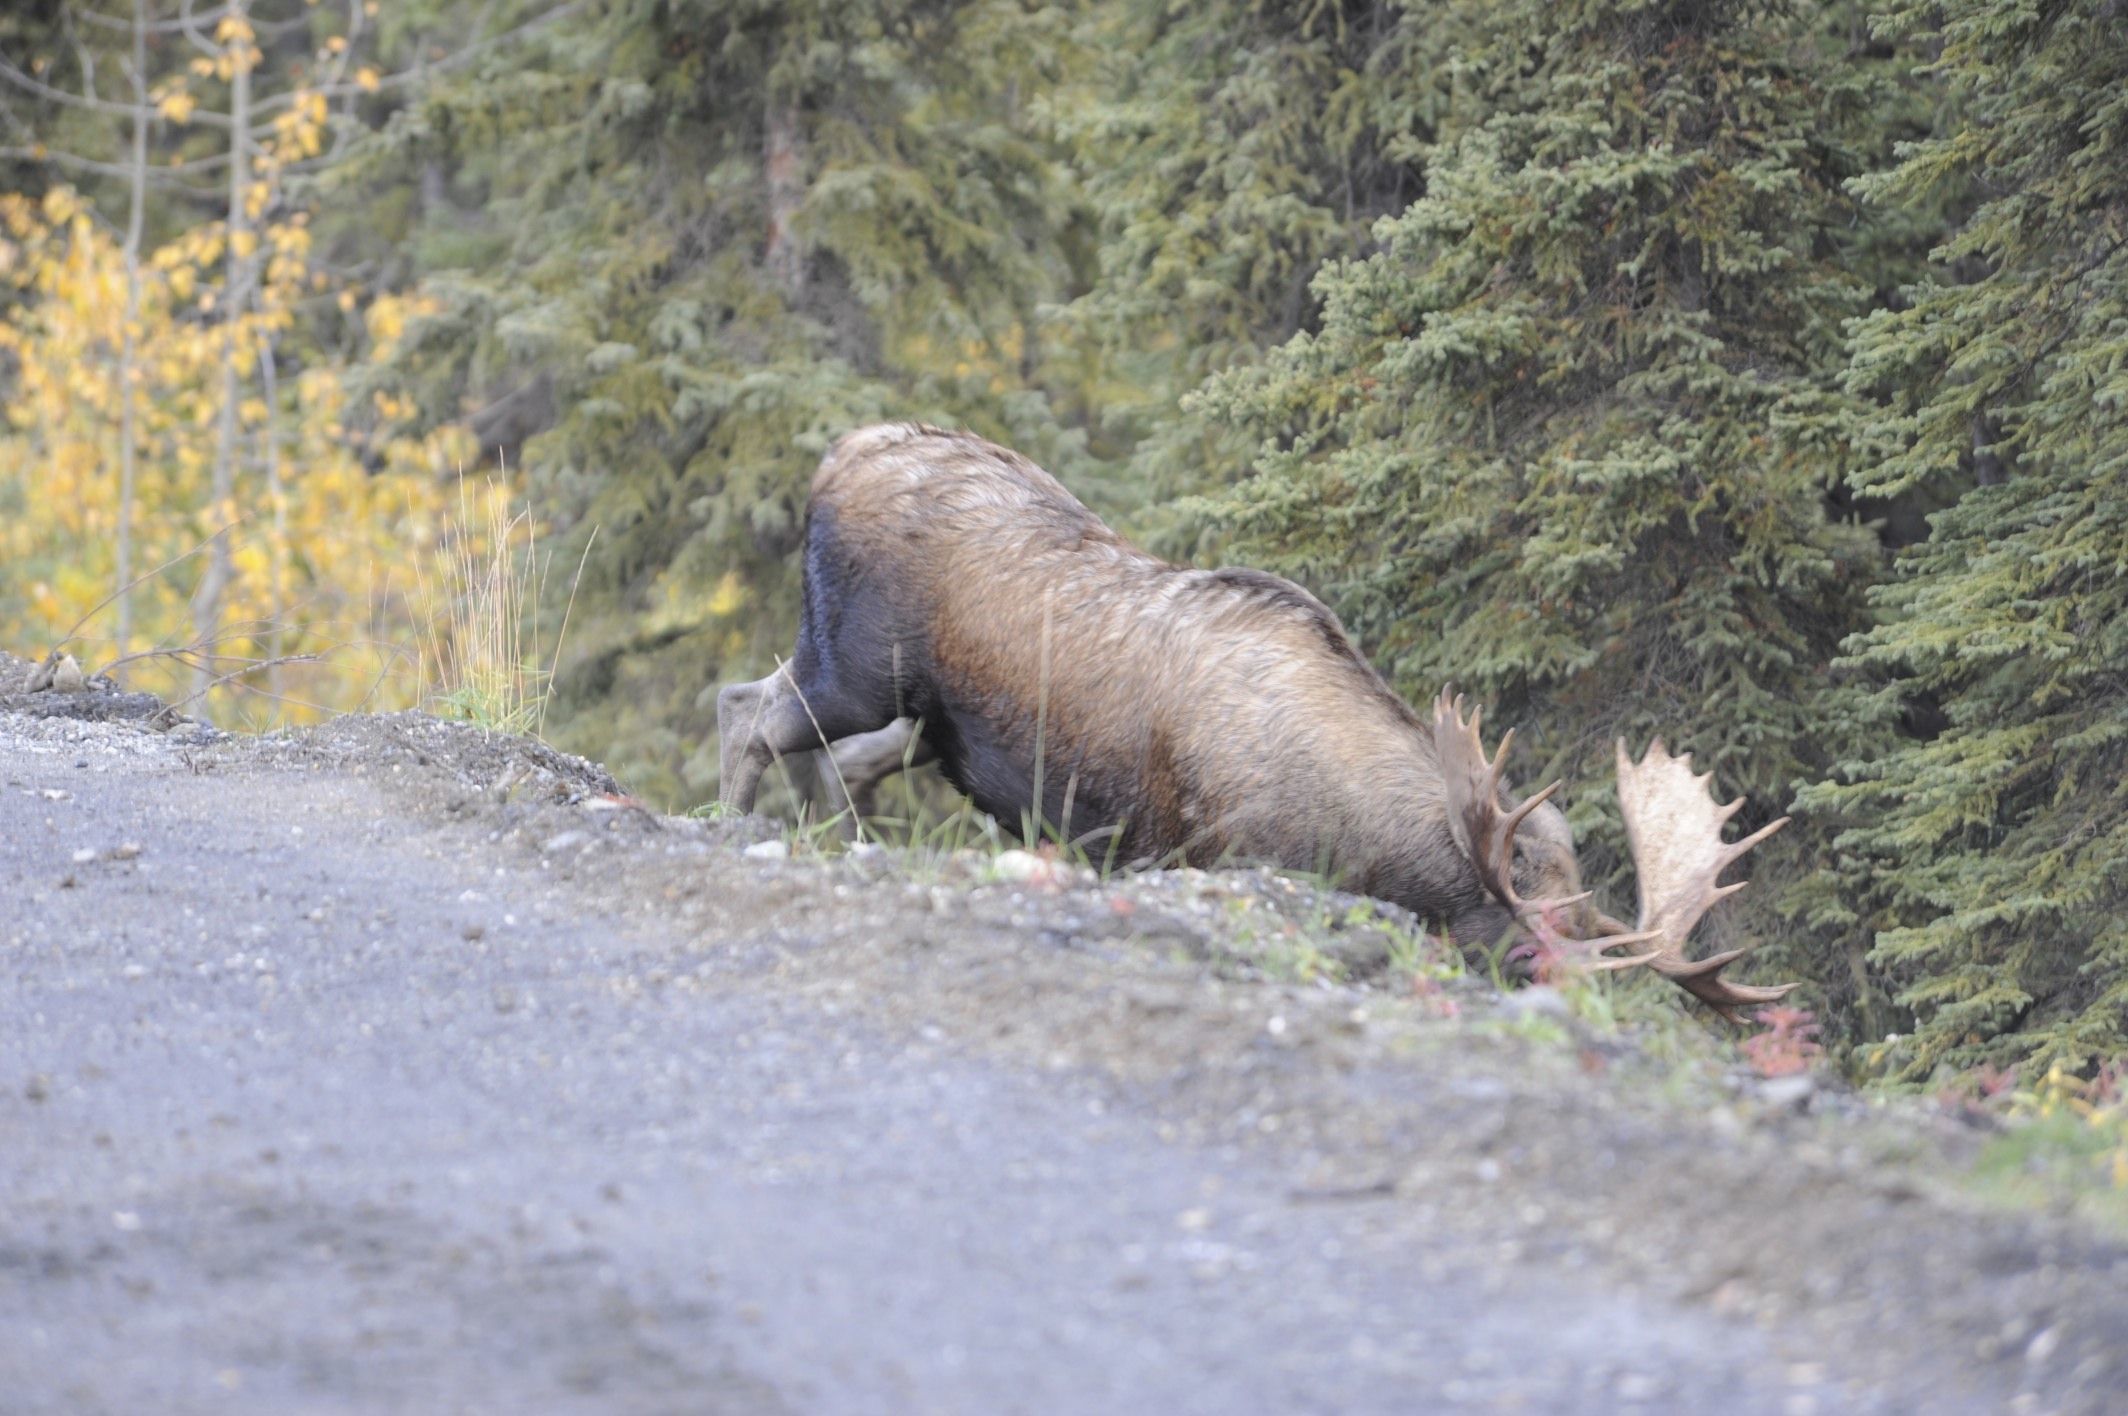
756, 724
857, 765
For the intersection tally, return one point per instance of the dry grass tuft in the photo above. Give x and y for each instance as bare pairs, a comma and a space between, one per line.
482, 656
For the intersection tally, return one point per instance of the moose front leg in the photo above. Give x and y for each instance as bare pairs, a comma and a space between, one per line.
757, 723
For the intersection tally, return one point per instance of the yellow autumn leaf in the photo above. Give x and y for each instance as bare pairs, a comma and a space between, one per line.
243, 243
387, 319
366, 79
178, 106
729, 596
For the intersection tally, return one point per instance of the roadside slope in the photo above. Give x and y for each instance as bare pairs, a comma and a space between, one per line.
403, 1067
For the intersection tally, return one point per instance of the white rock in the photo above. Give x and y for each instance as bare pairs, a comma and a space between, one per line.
1019, 865
767, 850
1793, 1090
1538, 1000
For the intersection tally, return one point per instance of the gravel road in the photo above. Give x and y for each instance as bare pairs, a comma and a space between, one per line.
394, 1068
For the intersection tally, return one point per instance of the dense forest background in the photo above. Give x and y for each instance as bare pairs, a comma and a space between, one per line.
1756, 374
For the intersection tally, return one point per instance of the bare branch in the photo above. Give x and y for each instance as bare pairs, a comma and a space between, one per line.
123, 25
170, 710
456, 60
29, 83
189, 23
99, 606
40, 153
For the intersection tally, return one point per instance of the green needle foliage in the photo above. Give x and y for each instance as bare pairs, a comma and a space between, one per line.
1567, 437
1749, 372
1228, 150
685, 246
1986, 803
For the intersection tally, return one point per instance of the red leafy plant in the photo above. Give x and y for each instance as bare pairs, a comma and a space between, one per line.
1788, 1045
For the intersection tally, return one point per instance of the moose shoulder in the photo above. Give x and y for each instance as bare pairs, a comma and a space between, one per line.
1161, 713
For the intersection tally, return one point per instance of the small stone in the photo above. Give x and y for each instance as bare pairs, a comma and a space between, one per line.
472, 932
1537, 1001
84, 856
1636, 1386
125, 850
2042, 1347
1019, 865
58, 672
1792, 1092
767, 850
565, 841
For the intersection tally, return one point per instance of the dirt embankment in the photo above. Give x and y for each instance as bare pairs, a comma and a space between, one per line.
1310, 1036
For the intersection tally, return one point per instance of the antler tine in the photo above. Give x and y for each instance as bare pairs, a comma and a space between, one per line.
1675, 827
1536, 799
1486, 830
1470, 777
1735, 850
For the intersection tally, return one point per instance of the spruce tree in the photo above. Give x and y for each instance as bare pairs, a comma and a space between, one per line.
1567, 438
673, 250
1228, 150
1985, 795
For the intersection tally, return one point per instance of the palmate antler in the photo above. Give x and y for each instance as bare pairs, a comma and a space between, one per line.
1486, 832
1675, 828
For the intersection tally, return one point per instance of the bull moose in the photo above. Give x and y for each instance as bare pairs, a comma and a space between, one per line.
960, 604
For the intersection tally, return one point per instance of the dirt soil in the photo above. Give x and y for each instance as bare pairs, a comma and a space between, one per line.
396, 1066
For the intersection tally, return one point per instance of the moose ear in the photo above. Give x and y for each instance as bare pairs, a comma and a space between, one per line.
1460, 834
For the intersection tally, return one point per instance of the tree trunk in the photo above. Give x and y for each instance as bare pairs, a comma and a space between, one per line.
270, 436
214, 581
1988, 469
783, 161
128, 345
